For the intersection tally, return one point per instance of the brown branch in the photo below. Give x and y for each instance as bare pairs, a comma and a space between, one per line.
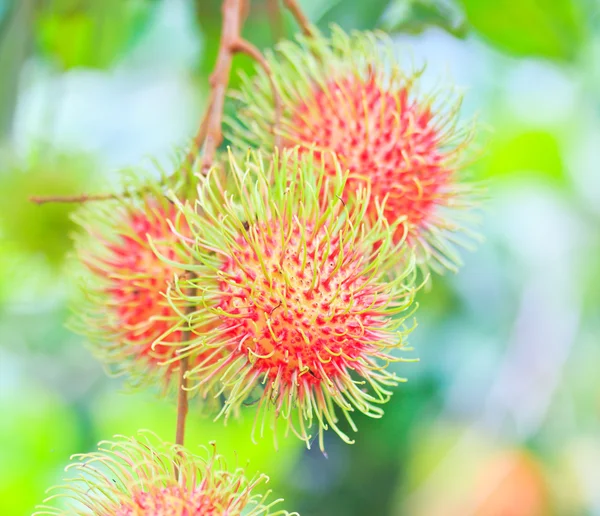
209, 133
249, 49
182, 402
197, 141
182, 391
182, 409
275, 19
77, 198
234, 12
303, 21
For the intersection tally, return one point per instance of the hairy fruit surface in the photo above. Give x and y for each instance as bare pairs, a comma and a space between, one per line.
122, 308
347, 96
294, 286
142, 476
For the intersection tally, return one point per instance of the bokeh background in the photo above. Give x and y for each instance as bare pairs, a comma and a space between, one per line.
501, 416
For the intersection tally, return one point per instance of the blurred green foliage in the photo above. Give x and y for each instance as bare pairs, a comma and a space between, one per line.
554, 28
437, 447
415, 16
46, 437
29, 227
534, 151
353, 15
88, 33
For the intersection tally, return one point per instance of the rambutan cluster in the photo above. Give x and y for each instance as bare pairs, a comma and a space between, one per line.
285, 281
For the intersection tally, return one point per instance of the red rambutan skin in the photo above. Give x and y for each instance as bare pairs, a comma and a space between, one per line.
172, 501
139, 279
128, 255
302, 311
125, 312
380, 136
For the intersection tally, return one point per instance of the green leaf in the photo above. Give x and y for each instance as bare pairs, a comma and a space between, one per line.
553, 29
532, 152
91, 34
15, 43
37, 439
414, 16
354, 14
3, 9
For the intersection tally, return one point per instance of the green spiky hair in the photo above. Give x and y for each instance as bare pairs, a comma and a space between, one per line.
348, 95
142, 476
119, 303
290, 297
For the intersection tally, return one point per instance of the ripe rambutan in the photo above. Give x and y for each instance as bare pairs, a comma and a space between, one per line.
347, 96
122, 308
142, 476
295, 290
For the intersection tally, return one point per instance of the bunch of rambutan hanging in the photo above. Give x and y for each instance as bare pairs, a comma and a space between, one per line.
285, 274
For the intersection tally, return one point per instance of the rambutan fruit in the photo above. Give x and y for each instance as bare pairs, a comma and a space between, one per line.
121, 307
295, 291
143, 476
347, 96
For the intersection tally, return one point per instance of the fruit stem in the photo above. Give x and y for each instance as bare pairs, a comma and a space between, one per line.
182, 401
294, 8
234, 14
275, 18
